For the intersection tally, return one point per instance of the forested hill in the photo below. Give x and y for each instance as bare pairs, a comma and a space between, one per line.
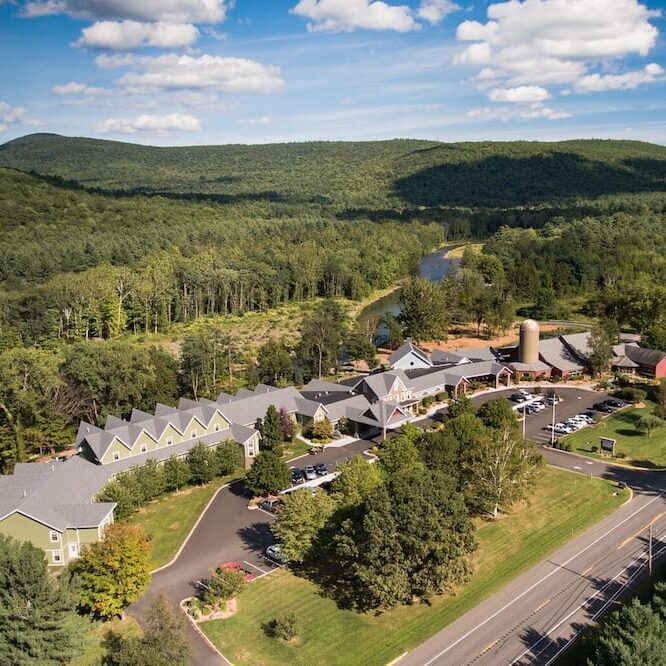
364, 175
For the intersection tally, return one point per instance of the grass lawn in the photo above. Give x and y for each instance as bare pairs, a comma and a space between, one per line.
639, 449
562, 505
95, 650
168, 520
457, 252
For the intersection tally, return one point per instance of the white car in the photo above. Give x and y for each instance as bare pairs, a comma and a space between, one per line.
539, 405
527, 394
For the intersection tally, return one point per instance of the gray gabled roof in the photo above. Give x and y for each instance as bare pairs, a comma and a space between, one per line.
407, 348
556, 354
579, 343
252, 406
643, 356
624, 362
381, 383
442, 357
382, 414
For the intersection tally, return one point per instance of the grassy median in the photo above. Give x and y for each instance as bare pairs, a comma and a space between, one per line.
639, 450
562, 505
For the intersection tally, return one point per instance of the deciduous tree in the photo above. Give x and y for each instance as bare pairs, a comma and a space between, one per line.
114, 572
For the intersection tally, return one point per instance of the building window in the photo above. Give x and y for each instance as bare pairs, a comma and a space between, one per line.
54, 536
193, 434
144, 448
73, 549
169, 441
116, 456
56, 556
217, 427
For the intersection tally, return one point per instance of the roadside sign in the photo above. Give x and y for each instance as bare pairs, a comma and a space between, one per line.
607, 444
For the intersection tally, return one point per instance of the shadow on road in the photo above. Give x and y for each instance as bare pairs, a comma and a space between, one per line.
256, 537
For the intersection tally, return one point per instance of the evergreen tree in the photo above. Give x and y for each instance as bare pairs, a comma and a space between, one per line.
38, 619
228, 456
271, 435
176, 473
268, 474
163, 643
424, 314
202, 463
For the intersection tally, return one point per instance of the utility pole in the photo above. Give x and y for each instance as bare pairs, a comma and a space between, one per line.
524, 422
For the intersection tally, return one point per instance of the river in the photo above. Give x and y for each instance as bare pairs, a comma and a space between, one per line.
433, 267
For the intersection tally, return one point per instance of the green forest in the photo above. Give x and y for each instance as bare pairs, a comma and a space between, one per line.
104, 242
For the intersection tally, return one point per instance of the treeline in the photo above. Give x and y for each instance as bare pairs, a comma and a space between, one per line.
618, 262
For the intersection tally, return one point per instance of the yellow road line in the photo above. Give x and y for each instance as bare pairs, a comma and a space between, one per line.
543, 605
633, 536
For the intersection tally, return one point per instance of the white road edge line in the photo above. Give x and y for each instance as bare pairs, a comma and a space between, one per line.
539, 582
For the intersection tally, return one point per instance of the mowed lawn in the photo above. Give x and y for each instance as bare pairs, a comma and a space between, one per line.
169, 519
562, 505
639, 449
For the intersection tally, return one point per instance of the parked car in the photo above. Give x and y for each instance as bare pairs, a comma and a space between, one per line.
517, 397
236, 566
321, 469
603, 408
310, 473
551, 400
274, 553
524, 392
272, 505
614, 403
297, 476
539, 405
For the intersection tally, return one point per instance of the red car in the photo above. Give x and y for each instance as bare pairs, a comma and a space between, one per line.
237, 566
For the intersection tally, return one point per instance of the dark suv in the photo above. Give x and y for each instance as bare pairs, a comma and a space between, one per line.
297, 476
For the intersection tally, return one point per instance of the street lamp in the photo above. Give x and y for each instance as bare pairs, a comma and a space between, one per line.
552, 425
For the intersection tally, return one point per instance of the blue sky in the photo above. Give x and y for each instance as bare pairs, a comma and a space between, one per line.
177, 72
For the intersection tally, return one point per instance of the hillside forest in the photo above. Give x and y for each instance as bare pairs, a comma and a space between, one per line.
121, 264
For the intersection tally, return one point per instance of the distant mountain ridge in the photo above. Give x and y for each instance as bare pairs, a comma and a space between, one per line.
375, 174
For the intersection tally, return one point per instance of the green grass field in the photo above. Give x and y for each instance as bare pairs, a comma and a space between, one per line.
639, 449
169, 519
562, 505
95, 650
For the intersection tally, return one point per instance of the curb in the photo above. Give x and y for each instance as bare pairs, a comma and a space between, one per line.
194, 527
202, 635
607, 462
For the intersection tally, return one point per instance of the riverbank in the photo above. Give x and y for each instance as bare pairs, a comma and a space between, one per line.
458, 251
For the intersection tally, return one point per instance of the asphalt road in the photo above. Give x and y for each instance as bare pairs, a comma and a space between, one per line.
227, 531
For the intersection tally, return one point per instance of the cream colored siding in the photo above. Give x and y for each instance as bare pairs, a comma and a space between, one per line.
117, 447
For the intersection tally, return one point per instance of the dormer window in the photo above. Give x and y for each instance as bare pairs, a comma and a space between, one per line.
217, 427
193, 434
116, 456
169, 441
144, 448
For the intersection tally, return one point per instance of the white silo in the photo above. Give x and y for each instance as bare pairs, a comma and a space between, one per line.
528, 350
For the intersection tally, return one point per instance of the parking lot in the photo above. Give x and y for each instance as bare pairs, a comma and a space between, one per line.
573, 401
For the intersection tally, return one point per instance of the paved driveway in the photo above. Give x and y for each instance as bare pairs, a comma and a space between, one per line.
227, 531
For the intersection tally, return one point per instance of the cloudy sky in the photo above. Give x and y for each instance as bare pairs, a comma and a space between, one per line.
169, 72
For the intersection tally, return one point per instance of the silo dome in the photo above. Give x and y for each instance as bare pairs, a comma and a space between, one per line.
528, 350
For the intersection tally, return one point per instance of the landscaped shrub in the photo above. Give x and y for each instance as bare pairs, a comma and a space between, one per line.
322, 431
630, 394
224, 584
441, 397
428, 401
621, 455
285, 627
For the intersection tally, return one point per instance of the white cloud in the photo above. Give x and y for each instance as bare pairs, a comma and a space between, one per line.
130, 35
76, 88
508, 113
434, 11
521, 94
599, 83
346, 15
151, 124
263, 120
554, 42
11, 114
170, 11
3, 128
184, 72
